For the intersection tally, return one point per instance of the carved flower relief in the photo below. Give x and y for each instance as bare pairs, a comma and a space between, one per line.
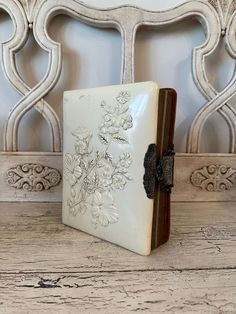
83, 138
123, 97
126, 122
104, 210
125, 160
73, 170
116, 118
80, 208
94, 174
109, 125
119, 181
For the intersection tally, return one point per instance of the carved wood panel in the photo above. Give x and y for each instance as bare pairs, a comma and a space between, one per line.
218, 18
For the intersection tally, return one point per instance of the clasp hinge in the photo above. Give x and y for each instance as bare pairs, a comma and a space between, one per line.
165, 170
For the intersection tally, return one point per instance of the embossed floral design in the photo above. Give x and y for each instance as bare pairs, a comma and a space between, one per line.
78, 208
119, 181
106, 177
93, 174
116, 120
83, 138
123, 97
126, 122
125, 160
73, 170
104, 210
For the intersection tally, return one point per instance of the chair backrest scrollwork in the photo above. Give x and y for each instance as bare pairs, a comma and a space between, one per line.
218, 18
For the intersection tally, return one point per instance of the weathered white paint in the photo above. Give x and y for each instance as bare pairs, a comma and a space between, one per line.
48, 267
187, 190
33, 239
198, 291
217, 18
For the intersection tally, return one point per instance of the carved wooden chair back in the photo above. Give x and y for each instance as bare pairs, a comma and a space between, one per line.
37, 176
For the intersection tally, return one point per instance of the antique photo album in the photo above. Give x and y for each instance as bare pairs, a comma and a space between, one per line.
113, 170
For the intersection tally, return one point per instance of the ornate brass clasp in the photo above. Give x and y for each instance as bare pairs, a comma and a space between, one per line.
165, 171
158, 170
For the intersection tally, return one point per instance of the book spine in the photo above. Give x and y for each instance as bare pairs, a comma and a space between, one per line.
165, 139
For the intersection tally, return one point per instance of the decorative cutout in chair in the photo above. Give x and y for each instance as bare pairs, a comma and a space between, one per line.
219, 20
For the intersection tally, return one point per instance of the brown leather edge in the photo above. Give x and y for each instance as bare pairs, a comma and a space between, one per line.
165, 138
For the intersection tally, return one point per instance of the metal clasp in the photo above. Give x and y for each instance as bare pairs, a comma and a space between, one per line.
158, 170
165, 171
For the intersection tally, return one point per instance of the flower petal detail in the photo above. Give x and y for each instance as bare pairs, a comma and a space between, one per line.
94, 174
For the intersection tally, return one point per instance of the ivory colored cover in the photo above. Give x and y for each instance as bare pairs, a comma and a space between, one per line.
107, 131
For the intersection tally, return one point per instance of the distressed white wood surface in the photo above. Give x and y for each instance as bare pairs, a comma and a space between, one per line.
47, 267
202, 236
198, 291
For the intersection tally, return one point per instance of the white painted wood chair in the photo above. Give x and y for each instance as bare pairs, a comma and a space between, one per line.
47, 267
37, 176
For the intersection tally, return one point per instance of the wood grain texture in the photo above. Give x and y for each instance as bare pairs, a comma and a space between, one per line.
47, 267
34, 240
120, 292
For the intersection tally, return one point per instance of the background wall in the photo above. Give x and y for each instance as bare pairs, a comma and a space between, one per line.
92, 57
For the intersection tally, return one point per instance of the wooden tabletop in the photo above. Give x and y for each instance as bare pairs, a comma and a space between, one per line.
46, 267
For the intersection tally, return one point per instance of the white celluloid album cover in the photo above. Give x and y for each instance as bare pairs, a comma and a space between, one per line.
107, 131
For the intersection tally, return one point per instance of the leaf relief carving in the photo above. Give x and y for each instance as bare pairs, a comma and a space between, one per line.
214, 178
33, 177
